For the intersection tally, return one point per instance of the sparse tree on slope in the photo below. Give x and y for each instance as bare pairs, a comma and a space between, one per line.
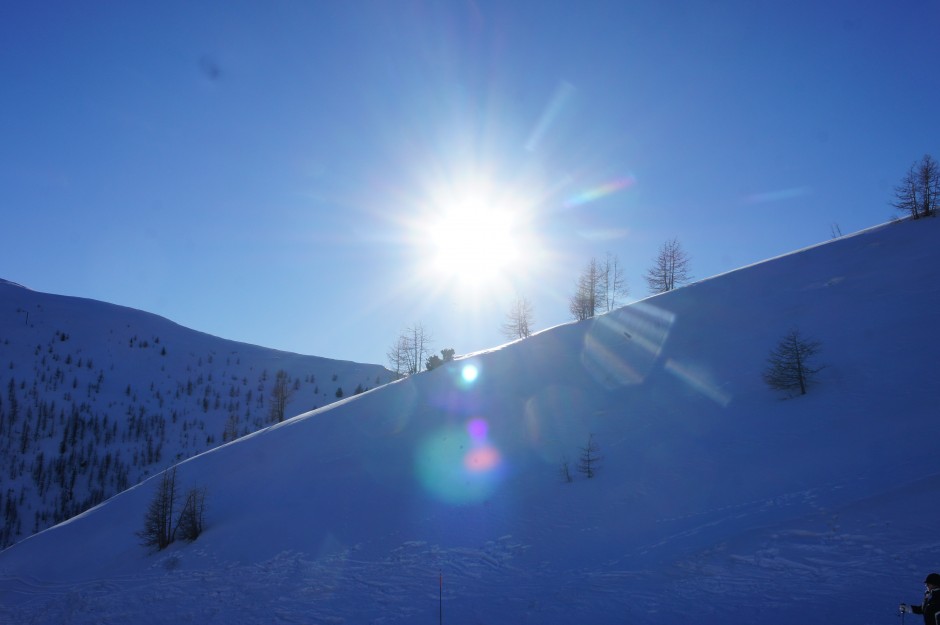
586, 301
397, 356
919, 191
435, 361
670, 268
590, 458
281, 393
159, 530
410, 351
192, 516
230, 432
612, 283
518, 323
788, 366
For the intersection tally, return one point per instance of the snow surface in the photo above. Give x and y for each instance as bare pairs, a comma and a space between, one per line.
717, 500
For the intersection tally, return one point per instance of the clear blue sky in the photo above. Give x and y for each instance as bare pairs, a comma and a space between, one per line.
279, 172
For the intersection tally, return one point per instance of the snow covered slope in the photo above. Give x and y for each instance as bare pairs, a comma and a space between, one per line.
716, 500
94, 397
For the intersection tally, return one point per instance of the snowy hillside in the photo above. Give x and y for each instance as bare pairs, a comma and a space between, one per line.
441, 497
94, 397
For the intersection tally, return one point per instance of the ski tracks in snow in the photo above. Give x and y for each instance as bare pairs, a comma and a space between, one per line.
191, 587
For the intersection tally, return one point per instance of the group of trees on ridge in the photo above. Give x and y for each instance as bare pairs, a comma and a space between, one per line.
600, 288
601, 285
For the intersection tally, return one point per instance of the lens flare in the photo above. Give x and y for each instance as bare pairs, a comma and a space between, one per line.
469, 373
563, 93
608, 188
459, 465
699, 380
549, 426
480, 459
622, 347
477, 428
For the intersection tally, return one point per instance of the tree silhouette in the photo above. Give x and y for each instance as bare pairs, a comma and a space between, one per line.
788, 366
281, 393
670, 268
518, 324
612, 284
159, 530
192, 517
919, 190
589, 458
588, 296
410, 351
435, 361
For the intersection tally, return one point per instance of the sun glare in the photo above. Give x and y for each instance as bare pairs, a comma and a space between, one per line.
474, 237
473, 243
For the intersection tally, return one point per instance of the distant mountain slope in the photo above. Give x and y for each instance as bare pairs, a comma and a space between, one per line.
716, 500
94, 397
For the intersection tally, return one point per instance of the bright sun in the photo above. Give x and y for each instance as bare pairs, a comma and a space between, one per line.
473, 243
473, 236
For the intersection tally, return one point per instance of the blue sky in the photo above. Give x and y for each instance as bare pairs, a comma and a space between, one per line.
277, 173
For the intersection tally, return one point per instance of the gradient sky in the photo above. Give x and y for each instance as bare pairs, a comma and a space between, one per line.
276, 172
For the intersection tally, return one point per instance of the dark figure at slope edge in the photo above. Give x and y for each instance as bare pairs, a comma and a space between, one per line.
930, 608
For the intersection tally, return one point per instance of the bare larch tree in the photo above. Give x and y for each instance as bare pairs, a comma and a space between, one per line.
587, 298
518, 324
919, 191
410, 352
159, 524
670, 268
192, 516
612, 283
788, 366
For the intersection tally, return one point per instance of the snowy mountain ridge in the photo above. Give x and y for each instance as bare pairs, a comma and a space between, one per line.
444, 494
95, 396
